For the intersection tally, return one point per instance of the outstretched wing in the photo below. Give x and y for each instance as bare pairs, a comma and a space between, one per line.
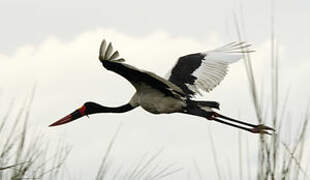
111, 61
204, 71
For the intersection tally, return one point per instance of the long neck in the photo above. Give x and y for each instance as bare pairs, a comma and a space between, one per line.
97, 108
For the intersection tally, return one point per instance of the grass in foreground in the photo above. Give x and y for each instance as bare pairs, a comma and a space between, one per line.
23, 156
278, 159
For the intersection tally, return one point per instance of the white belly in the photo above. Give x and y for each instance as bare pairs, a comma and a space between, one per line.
156, 102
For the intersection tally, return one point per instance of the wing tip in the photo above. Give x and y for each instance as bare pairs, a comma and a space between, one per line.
106, 52
235, 47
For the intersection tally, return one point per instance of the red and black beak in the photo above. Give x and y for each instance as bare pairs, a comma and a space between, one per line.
71, 117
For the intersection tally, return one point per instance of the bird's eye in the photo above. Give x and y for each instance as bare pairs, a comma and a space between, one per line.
82, 110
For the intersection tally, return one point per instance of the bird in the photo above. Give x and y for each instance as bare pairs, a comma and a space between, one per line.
175, 93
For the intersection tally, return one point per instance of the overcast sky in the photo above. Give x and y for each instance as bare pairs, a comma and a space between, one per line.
55, 43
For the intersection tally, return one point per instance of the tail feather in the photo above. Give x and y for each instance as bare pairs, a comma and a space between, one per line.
210, 104
203, 105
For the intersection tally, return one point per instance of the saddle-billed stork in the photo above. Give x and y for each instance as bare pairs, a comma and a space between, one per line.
157, 95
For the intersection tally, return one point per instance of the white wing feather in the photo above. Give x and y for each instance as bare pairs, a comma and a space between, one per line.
214, 66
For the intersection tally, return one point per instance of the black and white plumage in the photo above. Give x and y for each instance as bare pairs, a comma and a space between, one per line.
204, 71
157, 95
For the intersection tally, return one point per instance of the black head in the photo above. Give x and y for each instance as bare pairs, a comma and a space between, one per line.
92, 108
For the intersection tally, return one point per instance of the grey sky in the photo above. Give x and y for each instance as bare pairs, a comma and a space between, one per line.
31, 21
56, 43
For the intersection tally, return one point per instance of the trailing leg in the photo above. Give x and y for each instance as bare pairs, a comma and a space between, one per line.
212, 115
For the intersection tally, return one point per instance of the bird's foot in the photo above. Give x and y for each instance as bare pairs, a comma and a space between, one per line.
262, 129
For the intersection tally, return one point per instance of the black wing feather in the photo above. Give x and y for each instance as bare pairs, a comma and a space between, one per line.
136, 76
181, 74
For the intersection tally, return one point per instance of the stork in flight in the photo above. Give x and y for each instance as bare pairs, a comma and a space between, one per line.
191, 73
